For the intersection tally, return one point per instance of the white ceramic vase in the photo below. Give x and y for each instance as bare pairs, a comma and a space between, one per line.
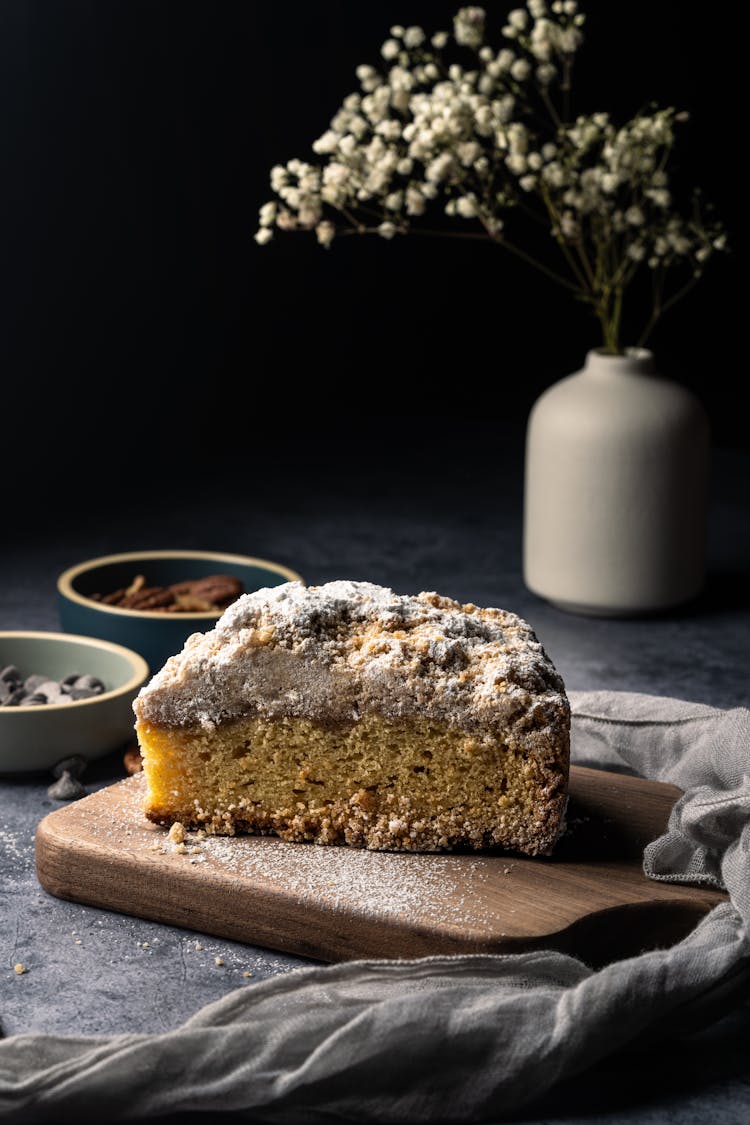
616, 489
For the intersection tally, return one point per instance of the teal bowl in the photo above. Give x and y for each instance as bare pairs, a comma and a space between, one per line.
36, 738
156, 636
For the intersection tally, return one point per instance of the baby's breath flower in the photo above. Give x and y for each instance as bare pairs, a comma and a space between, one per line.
520, 70
546, 73
439, 40
660, 196
325, 233
326, 144
263, 236
267, 214
439, 168
569, 225
541, 44
468, 27
528, 183
415, 201
279, 177
387, 230
466, 206
554, 174
518, 18
516, 162
390, 49
413, 37
679, 242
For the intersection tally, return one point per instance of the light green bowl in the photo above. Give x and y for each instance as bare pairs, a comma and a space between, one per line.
36, 738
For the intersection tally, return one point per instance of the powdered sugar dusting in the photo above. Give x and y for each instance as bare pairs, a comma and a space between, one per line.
331, 653
428, 888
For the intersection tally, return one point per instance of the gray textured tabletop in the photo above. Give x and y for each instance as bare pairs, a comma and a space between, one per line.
93, 971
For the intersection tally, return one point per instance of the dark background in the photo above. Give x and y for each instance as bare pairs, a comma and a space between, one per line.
150, 344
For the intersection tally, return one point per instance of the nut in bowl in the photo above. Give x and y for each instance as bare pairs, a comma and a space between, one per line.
151, 601
62, 696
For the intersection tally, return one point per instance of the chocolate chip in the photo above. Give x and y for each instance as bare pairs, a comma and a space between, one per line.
74, 765
89, 683
66, 788
11, 674
34, 682
35, 700
50, 688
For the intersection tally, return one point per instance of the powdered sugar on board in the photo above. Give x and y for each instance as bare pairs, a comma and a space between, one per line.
389, 885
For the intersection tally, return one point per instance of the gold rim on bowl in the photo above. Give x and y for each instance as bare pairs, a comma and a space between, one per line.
66, 579
140, 673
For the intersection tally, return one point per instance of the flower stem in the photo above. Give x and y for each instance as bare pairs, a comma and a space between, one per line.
659, 310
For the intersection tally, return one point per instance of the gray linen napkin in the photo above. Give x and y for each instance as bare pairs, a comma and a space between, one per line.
449, 1039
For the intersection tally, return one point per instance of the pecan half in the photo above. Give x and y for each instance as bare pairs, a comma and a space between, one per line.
150, 597
219, 590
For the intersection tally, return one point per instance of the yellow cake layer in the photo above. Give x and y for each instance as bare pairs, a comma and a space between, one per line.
408, 785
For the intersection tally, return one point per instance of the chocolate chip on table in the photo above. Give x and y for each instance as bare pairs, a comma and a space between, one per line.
68, 787
74, 765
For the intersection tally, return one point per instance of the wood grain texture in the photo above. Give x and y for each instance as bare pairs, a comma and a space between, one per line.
590, 899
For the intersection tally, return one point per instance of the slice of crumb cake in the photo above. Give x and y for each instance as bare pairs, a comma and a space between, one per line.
347, 714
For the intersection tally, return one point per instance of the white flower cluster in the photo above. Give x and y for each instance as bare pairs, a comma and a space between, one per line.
422, 126
608, 186
424, 130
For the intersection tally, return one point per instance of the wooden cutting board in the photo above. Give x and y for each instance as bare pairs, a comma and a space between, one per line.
334, 903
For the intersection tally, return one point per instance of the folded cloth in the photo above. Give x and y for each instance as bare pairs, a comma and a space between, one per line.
449, 1039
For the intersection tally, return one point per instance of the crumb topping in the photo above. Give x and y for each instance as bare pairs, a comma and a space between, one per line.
334, 652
